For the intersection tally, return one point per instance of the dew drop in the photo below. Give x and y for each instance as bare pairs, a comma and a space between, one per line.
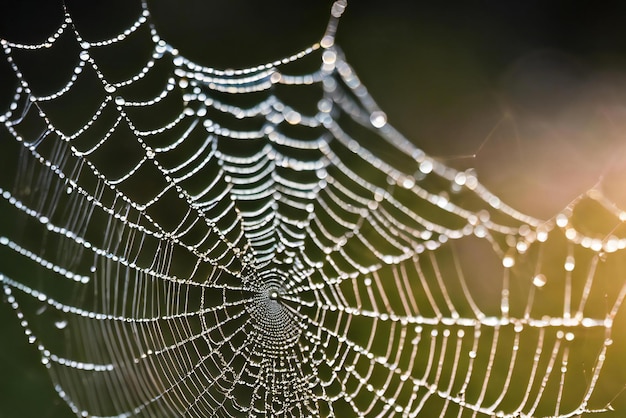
378, 119
61, 324
596, 245
480, 231
407, 182
460, 178
293, 118
426, 166
542, 235
327, 41
508, 261
561, 220
338, 8
329, 57
540, 280
612, 244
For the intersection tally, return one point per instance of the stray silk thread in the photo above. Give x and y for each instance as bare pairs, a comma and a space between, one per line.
275, 264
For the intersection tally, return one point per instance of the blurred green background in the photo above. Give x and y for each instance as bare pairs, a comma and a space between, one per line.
530, 93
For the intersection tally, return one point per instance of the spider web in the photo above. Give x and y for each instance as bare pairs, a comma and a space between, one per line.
188, 241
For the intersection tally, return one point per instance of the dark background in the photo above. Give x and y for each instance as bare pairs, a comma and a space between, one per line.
531, 93
547, 77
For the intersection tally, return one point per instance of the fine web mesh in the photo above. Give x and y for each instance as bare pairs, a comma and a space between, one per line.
189, 241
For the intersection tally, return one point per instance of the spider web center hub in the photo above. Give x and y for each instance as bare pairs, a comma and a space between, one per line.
278, 327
